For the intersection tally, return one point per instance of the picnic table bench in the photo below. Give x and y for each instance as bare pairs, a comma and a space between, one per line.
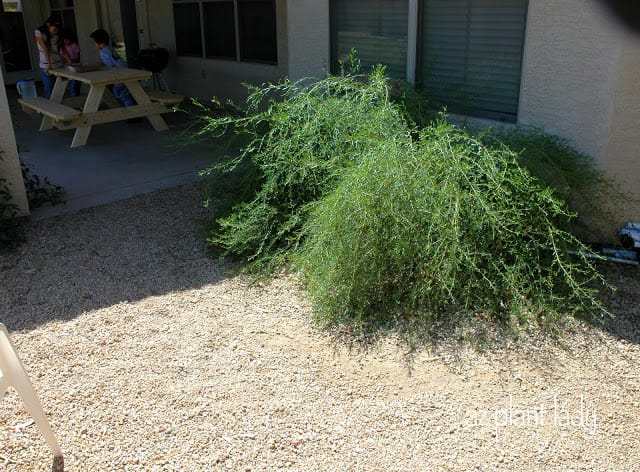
166, 98
56, 111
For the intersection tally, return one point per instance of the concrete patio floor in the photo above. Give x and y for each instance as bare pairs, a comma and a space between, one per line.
120, 159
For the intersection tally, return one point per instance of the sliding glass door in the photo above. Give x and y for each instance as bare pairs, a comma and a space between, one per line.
14, 42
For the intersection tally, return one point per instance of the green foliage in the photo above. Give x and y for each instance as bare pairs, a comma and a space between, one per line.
418, 229
389, 221
572, 175
9, 226
39, 191
299, 138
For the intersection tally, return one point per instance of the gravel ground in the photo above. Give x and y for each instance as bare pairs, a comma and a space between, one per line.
148, 355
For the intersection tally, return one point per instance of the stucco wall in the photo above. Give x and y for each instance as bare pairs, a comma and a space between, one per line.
9, 162
579, 81
309, 47
622, 155
569, 69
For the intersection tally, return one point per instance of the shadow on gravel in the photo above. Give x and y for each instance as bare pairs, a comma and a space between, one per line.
124, 252
455, 333
624, 303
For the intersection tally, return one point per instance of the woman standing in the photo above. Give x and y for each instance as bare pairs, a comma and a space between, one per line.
48, 41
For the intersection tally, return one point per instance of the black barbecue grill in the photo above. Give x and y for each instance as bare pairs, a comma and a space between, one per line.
155, 60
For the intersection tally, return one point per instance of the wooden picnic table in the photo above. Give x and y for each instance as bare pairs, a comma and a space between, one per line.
55, 113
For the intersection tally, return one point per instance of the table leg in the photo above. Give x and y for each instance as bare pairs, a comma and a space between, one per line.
57, 94
142, 98
91, 105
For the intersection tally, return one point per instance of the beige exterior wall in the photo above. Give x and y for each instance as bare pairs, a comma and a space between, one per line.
112, 21
569, 69
622, 154
580, 78
309, 47
9, 162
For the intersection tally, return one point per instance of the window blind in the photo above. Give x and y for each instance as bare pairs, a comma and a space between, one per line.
471, 55
376, 29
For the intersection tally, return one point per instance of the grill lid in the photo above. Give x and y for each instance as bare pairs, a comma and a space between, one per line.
153, 59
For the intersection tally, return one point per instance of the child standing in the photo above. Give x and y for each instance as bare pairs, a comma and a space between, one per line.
71, 53
111, 59
47, 39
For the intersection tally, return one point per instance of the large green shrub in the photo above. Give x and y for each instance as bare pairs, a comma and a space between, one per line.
387, 220
445, 223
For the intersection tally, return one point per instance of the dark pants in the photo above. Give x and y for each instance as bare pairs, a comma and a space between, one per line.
49, 80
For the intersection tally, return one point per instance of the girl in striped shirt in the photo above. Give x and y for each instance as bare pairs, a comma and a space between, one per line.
48, 41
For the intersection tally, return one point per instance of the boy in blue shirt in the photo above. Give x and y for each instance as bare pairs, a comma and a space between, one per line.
111, 59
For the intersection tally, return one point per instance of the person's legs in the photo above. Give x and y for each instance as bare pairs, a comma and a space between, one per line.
74, 88
121, 92
47, 82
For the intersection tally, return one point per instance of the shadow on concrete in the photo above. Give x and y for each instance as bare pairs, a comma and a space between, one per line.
120, 159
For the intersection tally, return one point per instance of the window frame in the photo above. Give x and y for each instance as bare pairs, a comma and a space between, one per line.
492, 115
414, 43
236, 31
411, 38
59, 7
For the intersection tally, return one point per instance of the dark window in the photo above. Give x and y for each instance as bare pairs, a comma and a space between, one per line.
63, 9
242, 30
376, 30
469, 52
257, 24
13, 38
471, 55
219, 30
186, 17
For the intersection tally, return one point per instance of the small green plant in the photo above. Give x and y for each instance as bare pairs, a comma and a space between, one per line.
9, 223
39, 191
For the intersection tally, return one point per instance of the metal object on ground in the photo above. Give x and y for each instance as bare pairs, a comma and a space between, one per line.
14, 375
620, 253
630, 235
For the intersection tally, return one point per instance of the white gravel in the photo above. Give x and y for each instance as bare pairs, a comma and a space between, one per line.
148, 355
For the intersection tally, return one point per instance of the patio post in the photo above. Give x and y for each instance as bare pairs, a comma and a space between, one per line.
9, 161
